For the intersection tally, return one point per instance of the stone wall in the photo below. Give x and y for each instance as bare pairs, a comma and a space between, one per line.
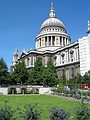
27, 90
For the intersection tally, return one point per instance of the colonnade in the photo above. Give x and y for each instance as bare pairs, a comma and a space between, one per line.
52, 41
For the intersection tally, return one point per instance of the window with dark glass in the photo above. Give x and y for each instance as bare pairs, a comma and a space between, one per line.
45, 41
27, 61
72, 72
40, 42
53, 40
31, 60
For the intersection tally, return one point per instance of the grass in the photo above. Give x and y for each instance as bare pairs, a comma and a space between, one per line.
44, 101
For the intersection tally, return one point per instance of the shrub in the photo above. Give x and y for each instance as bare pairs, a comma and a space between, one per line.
83, 112
6, 113
78, 96
58, 114
32, 113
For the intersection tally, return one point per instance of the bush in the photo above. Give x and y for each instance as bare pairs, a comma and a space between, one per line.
59, 114
83, 112
78, 96
32, 113
6, 113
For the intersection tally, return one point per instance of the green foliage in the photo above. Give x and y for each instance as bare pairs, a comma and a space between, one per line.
83, 112
44, 101
59, 114
32, 113
49, 75
64, 80
75, 82
20, 74
6, 113
86, 78
40, 75
3, 72
35, 75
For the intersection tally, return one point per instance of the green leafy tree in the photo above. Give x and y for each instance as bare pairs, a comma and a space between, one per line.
35, 75
3, 72
75, 82
49, 75
20, 74
86, 78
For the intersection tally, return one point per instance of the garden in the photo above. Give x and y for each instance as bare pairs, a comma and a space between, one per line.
42, 107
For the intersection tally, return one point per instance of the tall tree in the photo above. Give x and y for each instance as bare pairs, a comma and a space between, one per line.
3, 72
35, 76
86, 78
20, 73
49, 75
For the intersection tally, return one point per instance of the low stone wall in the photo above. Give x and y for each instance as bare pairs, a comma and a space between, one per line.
3, 91
25, 90
45, 90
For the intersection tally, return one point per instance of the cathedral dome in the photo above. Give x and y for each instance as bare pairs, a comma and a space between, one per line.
52, 22
52, 34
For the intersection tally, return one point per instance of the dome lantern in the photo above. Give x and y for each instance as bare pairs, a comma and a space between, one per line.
52, 11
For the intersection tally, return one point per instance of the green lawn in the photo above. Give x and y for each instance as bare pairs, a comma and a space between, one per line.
44, 101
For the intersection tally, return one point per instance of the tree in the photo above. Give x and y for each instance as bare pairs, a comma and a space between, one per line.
20, 73
49, 75
86, 78
35, 75
3, 72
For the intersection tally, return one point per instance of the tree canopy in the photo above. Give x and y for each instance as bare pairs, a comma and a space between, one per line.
35, 75
49, 75
20, 74
3, 72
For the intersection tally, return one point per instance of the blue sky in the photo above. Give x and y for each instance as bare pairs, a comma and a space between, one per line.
20, 22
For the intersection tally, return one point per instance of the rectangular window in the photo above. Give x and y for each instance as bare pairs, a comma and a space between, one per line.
45, 41
72, 72
63, 41
40, 42
31, 60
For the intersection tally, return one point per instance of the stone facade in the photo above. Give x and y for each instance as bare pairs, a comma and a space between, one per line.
54, 43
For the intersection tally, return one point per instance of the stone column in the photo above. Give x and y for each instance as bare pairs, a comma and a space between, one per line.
75, 54
62, 41
47, 40
38, 43
66, 58
65, 41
